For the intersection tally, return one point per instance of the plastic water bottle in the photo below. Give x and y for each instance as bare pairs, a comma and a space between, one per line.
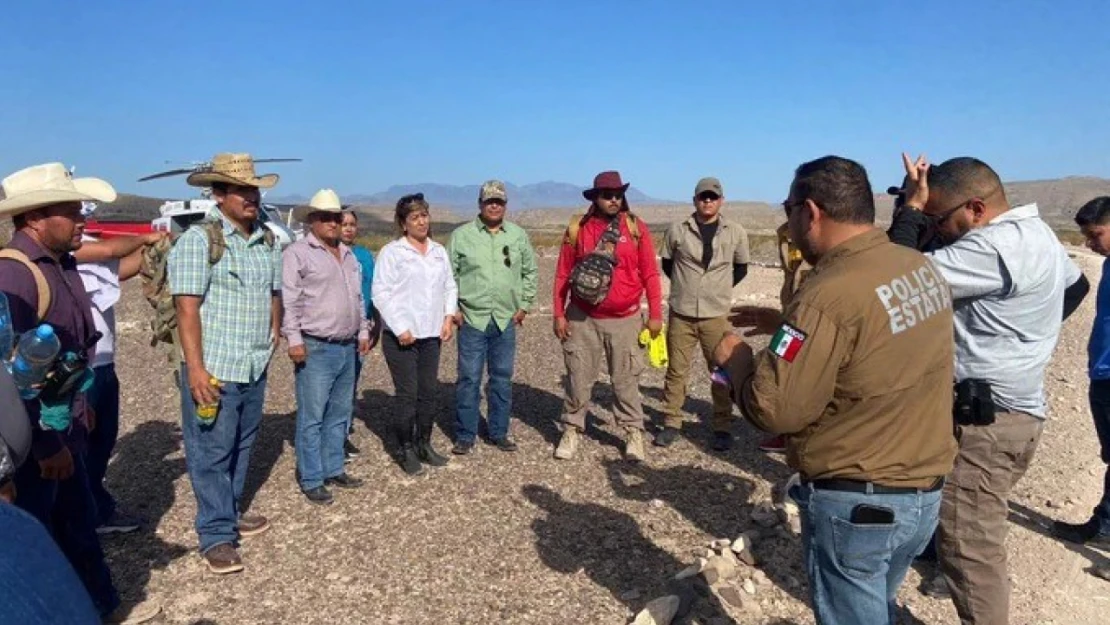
33, 358
7, 335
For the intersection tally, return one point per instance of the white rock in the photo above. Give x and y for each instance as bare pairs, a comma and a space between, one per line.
659, 611
742, 543
692, 570
721, 543
749, 586
760, 578
656, 503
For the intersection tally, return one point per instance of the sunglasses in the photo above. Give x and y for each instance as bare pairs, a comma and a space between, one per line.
496, 201
940, 218
505, 252
329, 217
611, 195
708, 196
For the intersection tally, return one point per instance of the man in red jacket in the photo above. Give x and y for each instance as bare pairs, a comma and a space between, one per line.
606, 262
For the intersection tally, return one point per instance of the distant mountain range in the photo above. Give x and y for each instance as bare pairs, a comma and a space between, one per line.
538, 195
550, 203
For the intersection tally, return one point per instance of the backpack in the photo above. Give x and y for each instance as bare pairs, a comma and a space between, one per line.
571, 235
593, 274
43, 287
156, 284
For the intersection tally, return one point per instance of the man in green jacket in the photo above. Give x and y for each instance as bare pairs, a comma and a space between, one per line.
495, 268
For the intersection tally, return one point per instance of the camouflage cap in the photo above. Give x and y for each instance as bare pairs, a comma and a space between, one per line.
493, 190
709, 184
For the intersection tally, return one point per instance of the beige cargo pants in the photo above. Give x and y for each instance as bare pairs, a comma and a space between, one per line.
974, 511
615, 340
683, 335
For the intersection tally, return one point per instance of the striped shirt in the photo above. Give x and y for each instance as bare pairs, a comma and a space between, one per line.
235, 312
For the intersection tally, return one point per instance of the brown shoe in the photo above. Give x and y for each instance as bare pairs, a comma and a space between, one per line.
252, 525
133, 613
223, 559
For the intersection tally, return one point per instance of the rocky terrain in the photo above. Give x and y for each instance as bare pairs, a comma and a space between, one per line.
522, 538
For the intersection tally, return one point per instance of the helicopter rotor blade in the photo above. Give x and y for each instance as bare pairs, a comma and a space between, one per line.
172, 172
278, 160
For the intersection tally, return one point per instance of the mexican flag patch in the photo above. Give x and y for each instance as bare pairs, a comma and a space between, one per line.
787, 342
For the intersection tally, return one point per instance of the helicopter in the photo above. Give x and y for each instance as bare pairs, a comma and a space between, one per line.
177, 215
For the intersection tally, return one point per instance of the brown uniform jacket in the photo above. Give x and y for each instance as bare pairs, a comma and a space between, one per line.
794, 268
860, 375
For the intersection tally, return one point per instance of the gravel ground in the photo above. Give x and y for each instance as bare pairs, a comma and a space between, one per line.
521, 538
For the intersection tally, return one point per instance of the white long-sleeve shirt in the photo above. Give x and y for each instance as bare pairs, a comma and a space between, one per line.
414, 292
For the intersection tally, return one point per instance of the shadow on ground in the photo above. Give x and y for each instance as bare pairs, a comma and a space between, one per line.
606, 545
142, 477
1036, 522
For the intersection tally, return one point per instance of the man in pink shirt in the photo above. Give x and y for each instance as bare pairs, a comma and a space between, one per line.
324, 323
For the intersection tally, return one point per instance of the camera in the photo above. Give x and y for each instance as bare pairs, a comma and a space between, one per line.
68, 371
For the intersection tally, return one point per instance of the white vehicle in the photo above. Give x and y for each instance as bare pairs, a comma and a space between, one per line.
178, 215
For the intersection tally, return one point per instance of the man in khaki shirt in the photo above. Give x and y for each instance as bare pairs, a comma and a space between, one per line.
858, 375
704, 257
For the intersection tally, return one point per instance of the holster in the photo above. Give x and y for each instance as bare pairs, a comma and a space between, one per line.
973, 403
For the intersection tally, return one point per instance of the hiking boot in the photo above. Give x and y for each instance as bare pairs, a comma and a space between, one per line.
428, 455
722, 441
634, 445
935, 587
667, 437
120, 523
774, 445
223, 559
319, 496
409, 462
463, 448
505, 444
350, 452
568, 444
343, 481
133, 613
252, 525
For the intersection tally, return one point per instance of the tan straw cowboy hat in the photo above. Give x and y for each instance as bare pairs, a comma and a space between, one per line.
325, 201
47, 184
231, 168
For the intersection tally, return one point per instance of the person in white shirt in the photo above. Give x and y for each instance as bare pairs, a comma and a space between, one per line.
416, 296
103, 264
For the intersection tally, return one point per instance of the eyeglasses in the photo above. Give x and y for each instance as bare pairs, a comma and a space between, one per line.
940, 218
505, 251
495, 201
329, 217
708, 196
611, 195
788, 207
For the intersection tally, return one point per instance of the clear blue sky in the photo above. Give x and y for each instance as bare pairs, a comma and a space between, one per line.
376, 93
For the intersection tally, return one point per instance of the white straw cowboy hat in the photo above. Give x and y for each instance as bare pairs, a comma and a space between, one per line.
325, 201
231, 168
47, 184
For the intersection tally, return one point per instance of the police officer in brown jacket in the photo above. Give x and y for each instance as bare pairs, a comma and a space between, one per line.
858, 376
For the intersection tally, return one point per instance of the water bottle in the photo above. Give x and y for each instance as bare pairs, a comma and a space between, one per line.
33, 358
7, 335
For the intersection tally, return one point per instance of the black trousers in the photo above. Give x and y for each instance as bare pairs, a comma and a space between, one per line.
415, 373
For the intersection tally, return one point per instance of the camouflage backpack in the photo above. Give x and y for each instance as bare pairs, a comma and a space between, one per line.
592, 276
156, 285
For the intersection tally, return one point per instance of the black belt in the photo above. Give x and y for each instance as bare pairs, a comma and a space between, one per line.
856, 486
322, 339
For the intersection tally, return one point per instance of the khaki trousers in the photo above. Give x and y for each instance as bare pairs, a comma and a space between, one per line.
974, 510
683, 335
615, 340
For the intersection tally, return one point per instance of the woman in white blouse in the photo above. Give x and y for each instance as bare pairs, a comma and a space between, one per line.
415, 293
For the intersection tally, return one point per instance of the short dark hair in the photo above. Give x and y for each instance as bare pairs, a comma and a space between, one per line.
408, 205
19, 221
222, 187
839, 186
347, 211
1094, 213
964, 176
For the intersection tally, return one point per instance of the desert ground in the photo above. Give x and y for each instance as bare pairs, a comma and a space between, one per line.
522, 538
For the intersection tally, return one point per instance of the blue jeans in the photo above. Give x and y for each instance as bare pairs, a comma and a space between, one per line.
324, 386
1099, 396
855, 570
37, 585
103, 398
67, 509
477, 349
217, 456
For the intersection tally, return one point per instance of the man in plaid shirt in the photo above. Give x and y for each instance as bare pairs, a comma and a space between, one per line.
228, 316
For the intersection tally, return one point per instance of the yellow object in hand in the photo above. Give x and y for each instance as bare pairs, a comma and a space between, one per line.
656, 347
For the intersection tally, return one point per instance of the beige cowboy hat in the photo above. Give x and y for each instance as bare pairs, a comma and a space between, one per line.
325, 201
232, 169
47, 184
